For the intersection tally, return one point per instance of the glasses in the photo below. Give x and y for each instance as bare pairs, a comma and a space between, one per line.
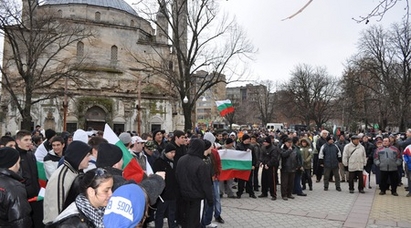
99, 172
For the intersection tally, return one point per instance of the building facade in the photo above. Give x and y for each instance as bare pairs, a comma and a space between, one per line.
117, 89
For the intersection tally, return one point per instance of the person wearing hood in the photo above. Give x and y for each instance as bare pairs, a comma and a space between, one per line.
75, 160
14, 208
167, 208
193, 178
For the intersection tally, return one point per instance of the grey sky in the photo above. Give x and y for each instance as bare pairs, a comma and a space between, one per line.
324, 34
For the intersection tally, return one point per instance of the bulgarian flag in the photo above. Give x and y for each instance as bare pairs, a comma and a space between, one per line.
235, 164
131, 168
224, 107
41, 173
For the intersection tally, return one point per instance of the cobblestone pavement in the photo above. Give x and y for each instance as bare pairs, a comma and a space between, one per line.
321, 209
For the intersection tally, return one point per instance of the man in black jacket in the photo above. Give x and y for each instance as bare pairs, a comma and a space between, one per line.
14, 208
246, 146
28, 168
269, 160
194, 180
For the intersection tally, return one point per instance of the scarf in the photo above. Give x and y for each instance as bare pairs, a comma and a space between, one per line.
95, 215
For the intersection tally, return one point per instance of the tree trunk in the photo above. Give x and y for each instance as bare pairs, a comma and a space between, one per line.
187, 117
26, 122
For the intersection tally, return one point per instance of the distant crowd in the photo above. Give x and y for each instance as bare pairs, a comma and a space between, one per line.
90, 179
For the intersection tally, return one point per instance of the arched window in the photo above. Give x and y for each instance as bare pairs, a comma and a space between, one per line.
132, 23
60, 13
80, 49
97, 16
114, 54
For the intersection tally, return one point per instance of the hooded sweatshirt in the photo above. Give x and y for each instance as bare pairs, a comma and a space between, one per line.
193, 175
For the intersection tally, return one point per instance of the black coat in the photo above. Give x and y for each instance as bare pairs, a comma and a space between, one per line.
14, 208
193, 174
164, 164
28, 167
270, 156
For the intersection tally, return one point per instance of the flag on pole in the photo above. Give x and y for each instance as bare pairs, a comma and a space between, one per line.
41, 175
235, 164
224, 107
131, 168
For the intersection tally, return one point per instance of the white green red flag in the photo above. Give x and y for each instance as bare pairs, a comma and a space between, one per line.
224, 107
235, 164
131, 168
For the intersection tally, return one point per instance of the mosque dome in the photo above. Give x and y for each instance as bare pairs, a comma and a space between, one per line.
115, 4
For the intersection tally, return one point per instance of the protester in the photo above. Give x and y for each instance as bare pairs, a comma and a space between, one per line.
14, 208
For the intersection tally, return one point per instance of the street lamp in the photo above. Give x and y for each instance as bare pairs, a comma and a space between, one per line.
185, 100
204, 99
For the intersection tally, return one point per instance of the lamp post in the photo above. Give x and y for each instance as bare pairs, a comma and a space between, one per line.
65, 105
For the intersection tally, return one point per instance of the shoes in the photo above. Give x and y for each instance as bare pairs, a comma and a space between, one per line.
408, 195
369, 187
275, 198
338, 189
234, 187
256, 190
311, 188
351, 191
238, 196
325, 189
381, 193
302, 194
303, 188
362, 191
291, 197
211, 225
342, 181
219, 220
285, 198
263, 196
406, 188
317, 181
151, 224
394, 194
221, 195
231, 197
253, 196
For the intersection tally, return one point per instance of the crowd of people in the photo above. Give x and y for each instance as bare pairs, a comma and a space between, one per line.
88, 184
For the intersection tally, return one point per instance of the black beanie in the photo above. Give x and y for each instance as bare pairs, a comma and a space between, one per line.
50, 133
207, 144
108, 155
229, 140
267, 139
245, 137
76, 152
8, 157
169, 147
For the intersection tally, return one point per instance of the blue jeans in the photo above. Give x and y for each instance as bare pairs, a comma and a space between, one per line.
297, 183
208, 211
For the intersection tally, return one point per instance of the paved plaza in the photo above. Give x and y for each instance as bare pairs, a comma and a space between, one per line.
321, 209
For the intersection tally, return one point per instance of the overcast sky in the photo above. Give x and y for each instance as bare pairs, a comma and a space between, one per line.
324, 34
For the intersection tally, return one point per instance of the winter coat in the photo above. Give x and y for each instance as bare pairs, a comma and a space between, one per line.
71, 217
193, 174
387, 158
28, 168
407, 157
306, 153
57, 191
289, 159
354, 160
14, 208
50, 162
329, 156
270, 156
168, 166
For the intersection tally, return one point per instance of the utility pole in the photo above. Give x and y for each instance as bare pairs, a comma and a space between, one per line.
65, 105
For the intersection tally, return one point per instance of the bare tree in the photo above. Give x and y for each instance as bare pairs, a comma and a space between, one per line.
36, 53
311, 93
265, 101
198, 42
384, 56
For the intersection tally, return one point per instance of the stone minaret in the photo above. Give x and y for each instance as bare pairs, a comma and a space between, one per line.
162, 23
180, 15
